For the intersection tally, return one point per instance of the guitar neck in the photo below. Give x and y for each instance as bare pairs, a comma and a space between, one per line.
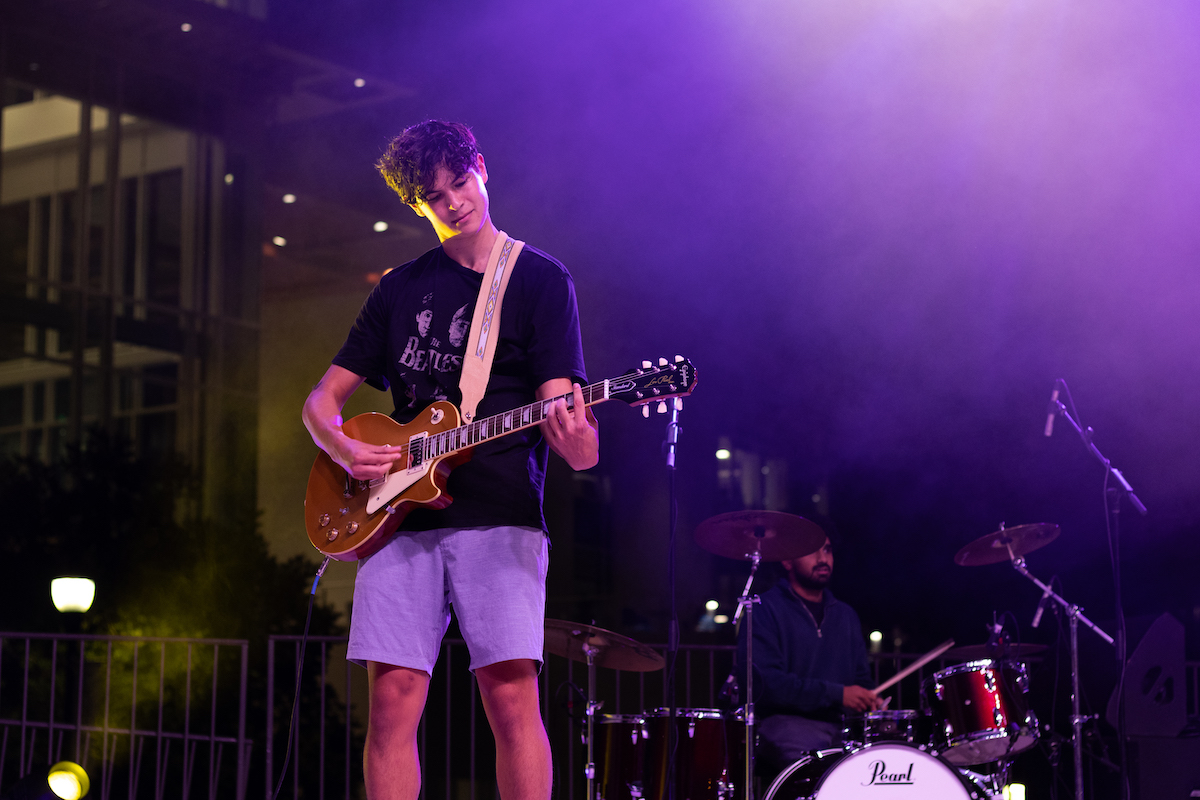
497, 425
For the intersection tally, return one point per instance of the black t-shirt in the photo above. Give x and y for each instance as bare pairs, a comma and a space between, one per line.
410, 336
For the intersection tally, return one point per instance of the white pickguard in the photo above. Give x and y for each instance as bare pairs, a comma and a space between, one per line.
385, 489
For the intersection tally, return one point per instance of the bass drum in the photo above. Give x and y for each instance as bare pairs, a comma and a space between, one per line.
907, 772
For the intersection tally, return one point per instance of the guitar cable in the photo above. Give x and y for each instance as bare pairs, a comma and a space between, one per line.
287, 755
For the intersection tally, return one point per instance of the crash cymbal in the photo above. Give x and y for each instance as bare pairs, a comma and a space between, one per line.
1003, 650
776, 536
1006, 543
613, 651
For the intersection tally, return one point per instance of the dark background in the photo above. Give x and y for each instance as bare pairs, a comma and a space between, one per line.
880, 231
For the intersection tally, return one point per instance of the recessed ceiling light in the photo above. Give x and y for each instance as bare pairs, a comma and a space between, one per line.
279, 241
380, 226
289, 198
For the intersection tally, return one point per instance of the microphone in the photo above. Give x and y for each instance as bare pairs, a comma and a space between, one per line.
1041, 608
1052, 411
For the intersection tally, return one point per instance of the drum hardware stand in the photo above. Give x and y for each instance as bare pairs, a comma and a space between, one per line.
746, 603
589, 770
1075, 615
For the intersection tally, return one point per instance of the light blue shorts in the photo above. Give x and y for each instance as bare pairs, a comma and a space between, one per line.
494, 577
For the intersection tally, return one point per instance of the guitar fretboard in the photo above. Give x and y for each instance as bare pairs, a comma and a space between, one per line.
473, 433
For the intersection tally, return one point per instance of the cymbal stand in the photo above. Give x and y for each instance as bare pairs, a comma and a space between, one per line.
1075, 615
746, 603
589, 770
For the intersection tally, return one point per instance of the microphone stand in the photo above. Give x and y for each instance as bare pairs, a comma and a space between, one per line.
673, 626
1112, 509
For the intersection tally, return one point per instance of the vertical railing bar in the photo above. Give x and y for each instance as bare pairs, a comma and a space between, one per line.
82, 757
160, 770
135, 777
449, 673
687, 678
4, 738
270, 726
107, 764
212, 724
349, 716
712, 678
471, 749
53, 691
189, 752
243, 774
321, 728
24, 711
294, 733
133, 724
571, 749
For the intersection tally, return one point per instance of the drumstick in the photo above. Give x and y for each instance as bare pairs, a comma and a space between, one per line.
916, 665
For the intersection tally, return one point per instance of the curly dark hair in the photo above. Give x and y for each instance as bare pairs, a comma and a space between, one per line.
412, 159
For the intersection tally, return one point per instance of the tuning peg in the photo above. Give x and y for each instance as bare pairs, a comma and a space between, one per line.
646, 411
679, 404
662, 362
646, 365
678, 359
662, 406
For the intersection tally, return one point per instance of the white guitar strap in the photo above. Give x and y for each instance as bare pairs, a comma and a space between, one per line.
485, 324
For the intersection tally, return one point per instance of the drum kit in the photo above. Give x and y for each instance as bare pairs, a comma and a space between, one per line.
975, 716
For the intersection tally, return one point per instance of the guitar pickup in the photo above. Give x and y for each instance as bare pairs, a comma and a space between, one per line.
416, 450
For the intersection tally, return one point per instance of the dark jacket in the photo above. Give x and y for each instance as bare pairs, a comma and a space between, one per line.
798, 668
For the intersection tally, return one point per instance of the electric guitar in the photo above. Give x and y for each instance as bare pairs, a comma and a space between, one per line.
349, 519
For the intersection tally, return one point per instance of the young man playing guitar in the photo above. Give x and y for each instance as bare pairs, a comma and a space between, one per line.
486, 553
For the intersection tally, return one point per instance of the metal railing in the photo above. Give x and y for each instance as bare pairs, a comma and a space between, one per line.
153, 717
147, 717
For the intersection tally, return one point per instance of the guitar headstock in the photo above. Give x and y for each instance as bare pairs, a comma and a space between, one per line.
652, 383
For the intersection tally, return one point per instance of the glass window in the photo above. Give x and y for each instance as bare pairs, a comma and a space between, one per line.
12, 406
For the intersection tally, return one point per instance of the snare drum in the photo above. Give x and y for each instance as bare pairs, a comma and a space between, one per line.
620, 756
879, 726
980, 711
894, 770
709, 754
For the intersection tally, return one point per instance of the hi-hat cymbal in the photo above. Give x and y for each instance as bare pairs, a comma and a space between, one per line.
774, 535
612, 650
1001, 650
1005, 544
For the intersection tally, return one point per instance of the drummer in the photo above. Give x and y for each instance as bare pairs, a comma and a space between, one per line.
810, 664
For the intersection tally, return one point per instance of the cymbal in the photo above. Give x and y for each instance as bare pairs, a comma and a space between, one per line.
996, 547
974, 652
776, 536
613, 651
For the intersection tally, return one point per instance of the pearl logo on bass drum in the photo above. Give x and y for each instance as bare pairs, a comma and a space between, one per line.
880, 775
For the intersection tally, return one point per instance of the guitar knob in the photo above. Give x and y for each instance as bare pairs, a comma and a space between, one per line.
333, 534
352, 528
343, 511
323, 520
